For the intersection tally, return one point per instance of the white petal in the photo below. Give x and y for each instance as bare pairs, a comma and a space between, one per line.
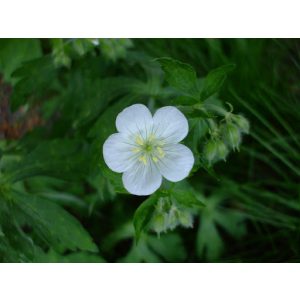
117, 152
142, 180
133, 119
170, 124
177, 162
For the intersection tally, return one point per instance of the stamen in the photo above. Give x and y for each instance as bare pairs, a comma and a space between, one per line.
149, 148
160, 151
143, 159
155, 159
136, 150
139, 140
151, 137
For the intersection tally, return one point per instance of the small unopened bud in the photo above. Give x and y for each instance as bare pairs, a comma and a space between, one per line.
159, 222
231, 135
186, 219
242, 123
210, 151
173, 218
215, 150
222, 150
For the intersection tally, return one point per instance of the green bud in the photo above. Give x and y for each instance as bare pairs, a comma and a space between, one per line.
242, 123
173, 218
222, 150
210, 151
231, 135
186, 219
215, 150
159, 222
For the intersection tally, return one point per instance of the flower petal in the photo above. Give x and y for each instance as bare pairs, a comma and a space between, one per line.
133, 119
170, 124
117, 153
177, 162
142, 179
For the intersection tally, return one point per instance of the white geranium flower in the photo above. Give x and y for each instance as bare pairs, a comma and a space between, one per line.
146, 148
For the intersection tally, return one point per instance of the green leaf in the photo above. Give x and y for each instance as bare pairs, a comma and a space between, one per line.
143, 215
14, 52
78, 257
93, 96
209, 242
15, 245
167, 248
214, 80
187, 199
198, 127
209, 239
53, 224
66, 159
36, 79
180, 76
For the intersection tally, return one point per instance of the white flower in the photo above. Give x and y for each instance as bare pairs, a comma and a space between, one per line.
147, 148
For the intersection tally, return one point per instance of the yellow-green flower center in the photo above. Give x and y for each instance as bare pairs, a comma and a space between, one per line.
148, 149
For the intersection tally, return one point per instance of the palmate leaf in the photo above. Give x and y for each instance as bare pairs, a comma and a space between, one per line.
214, 80
53, 224
168, 248
210, 243
151, 249
181, 76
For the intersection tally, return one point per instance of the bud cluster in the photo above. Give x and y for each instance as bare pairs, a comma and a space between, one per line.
224, 137
168, 215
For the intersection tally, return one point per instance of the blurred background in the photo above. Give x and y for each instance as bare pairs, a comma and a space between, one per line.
58, 102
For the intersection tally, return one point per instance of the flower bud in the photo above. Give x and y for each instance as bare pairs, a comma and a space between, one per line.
159, 222
222, 150
231, 135
186, 219
242, 123
215, 150
210, 151
173, 218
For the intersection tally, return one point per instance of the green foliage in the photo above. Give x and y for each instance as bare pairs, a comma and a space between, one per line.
144, 214
214, 81
14, 52
59, 202
53, 224
78, 257
58, 158
165, 210
214, 216
180, 76
167, 248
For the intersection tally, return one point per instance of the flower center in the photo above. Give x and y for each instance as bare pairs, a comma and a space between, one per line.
148, 149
